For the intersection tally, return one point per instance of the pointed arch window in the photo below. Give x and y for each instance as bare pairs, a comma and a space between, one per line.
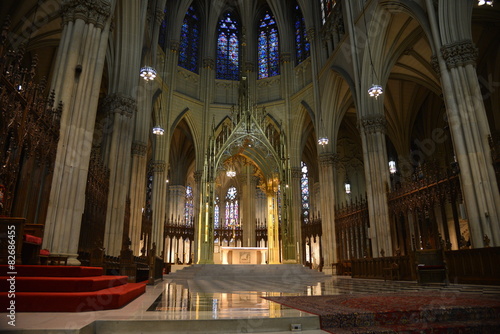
304, 187
232, 210
188, 207
162, 37
302, 47
326, 8
217, 213
228, 48
190, 41
268, 47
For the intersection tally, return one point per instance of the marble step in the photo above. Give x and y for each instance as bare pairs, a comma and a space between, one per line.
207, 271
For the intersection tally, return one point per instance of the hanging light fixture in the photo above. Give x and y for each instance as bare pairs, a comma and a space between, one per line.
158, 130
375, 90
323, 141
230, 172
485, 2
347, 185
148, 73
392, 167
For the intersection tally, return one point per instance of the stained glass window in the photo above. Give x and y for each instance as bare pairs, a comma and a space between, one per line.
301, 44
304, 187
268, 47
216, 213
326, 8
228, 48
188, 206
190, 40
162, 38
232, 208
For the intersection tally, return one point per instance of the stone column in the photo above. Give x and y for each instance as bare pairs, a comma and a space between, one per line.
469, 130
137, 194
296, 209
272, 227
196, 214
120, 109
466, 114
76, 82
377, 182
121, 104
159, 200
326, 178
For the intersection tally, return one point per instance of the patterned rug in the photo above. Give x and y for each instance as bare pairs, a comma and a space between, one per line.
412, 312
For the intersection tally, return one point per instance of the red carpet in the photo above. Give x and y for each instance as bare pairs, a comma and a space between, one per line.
415, 312
65, 289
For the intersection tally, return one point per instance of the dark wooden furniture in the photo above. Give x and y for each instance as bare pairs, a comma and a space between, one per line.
431, 266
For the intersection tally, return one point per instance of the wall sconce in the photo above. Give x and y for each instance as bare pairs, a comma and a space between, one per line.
392, 167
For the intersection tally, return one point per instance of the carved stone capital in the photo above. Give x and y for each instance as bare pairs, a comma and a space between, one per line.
197, 176
139, 148
373, 124
328, 159
121, 104
96, 12
296, 172
117, 103
158, 166
459, 53
285, 57
209, 63
159, 16
249, 66
311, 34
174, 46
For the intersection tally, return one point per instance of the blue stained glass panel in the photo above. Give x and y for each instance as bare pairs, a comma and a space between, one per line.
190, 36
228, 48
301, 44
268, 47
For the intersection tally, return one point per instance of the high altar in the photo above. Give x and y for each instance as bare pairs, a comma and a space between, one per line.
243, 255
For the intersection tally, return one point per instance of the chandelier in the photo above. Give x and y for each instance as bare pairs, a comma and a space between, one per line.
230, 172
158, 130
375, 91
323, 141
485, 2
148, 73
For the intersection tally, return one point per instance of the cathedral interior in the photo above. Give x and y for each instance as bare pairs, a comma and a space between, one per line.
345, 136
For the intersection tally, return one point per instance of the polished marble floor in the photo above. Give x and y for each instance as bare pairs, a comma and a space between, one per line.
217, 306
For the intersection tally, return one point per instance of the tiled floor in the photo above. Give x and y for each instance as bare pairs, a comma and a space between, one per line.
216, 306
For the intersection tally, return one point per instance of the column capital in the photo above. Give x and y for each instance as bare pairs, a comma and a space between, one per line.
159, 15
285, 57
139, 148
328, 159
197, 176
296, 172
96, 12
311, 34
373, 124
121, 104
249, 66
209, 63
174, 45
158, 166
459, 53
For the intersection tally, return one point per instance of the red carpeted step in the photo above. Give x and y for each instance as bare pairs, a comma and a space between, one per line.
51, 271
105, 299
62, 284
